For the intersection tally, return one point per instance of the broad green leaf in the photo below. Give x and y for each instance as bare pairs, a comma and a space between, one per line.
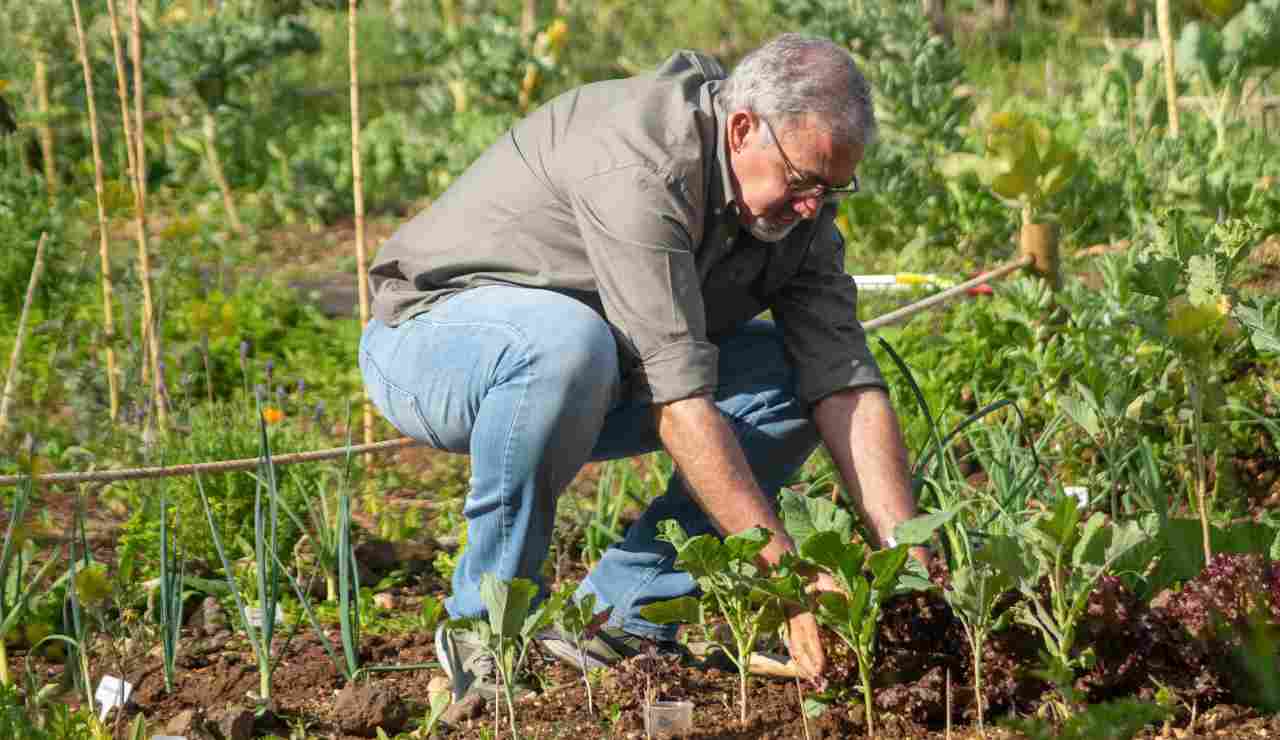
1124, 538
685, 609
508, 603
885, 565
1202, 49
746, 545
1004, 554
1157, 276
669, 530
1263, 322
804, 515
702, 556
913, 577
1081, 555
834, 612
545, 614
920, 529
842, 557
1082, 413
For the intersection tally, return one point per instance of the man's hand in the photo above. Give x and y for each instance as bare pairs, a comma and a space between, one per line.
805, 645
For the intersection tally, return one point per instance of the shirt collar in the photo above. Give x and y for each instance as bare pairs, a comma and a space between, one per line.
723, 201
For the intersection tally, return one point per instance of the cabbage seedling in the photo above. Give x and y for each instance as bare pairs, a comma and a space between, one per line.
733, 584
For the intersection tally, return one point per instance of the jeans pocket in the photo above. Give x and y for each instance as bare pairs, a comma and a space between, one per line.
399, 406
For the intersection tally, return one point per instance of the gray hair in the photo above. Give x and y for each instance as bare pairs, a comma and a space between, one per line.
795, 75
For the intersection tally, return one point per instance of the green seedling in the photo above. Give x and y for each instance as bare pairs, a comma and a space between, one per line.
824, 533
1070, 555
734, 585
975, 587
513, 622
578, 621
15, 588
171, 593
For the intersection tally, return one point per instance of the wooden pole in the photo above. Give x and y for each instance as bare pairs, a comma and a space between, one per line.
45, 129
16, 354
150, 330
104, 252
1165, 25
357, 176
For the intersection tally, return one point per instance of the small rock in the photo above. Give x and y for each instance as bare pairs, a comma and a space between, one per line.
439, 685
471, 707
362, 709
385, 600
188, 723
234, 723
210, 617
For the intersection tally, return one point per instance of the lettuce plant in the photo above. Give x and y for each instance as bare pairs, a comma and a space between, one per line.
733, 584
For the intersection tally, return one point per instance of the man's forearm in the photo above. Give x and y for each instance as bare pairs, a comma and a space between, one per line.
860, 430
708, 455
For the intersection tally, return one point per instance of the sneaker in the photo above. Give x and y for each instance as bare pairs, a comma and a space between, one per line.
470, 666
609, 646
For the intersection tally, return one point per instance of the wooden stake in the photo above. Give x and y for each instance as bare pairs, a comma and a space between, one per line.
122, 92
151, 330
1165, 26
1040, 243
215, 170
16, 354
108, 320
357, 176
45, 129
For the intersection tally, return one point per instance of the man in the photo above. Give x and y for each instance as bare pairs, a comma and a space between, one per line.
587, 289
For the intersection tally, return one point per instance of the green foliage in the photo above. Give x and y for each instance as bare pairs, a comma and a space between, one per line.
867, 580
1114, 720
1025, 163
1069, 555
208, 57
750, 599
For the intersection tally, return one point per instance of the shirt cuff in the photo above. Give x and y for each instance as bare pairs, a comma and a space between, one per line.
814, 384
677, 371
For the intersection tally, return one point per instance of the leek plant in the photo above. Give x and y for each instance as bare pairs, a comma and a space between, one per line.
170, 607
269, 571
15, 588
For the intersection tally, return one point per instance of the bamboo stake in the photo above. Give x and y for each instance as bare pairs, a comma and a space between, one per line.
1170, 71
14, 356
45, 129
357, 176
108, 321
150, 332
126, 119
220, 177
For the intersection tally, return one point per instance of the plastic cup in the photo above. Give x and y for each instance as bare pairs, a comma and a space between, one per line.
669, 718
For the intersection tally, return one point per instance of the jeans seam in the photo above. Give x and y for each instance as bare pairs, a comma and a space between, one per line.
432, 437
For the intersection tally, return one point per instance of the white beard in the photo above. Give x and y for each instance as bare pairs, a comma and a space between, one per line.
771, 230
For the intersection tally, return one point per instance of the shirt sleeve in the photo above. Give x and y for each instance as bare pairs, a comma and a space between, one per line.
817, 311
635, 223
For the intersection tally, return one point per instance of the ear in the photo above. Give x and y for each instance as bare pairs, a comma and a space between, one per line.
741, 123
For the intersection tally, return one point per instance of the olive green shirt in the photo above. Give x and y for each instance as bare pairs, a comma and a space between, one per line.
618, 194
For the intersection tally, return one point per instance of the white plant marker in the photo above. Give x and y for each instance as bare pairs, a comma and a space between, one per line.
254, 615
1079, 493
112, 692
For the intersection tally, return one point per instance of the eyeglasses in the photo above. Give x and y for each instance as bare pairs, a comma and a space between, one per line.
801, 185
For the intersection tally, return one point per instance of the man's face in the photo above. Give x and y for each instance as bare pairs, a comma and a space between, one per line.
781, 178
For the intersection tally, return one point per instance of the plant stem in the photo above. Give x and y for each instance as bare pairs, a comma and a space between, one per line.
1197, 411
1165, 25
4, 664
210, 126
37, 268
104, 254
45, 128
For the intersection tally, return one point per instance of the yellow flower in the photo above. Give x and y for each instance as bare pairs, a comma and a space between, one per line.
92, 584
1189, 320
4, 85
272, 415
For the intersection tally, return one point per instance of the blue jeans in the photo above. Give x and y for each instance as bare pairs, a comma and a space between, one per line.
527, 383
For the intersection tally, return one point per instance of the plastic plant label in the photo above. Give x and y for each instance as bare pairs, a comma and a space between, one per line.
254, 615
112, 692
1079, 493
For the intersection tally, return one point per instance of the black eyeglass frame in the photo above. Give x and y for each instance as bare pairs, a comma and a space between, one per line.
819, 188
